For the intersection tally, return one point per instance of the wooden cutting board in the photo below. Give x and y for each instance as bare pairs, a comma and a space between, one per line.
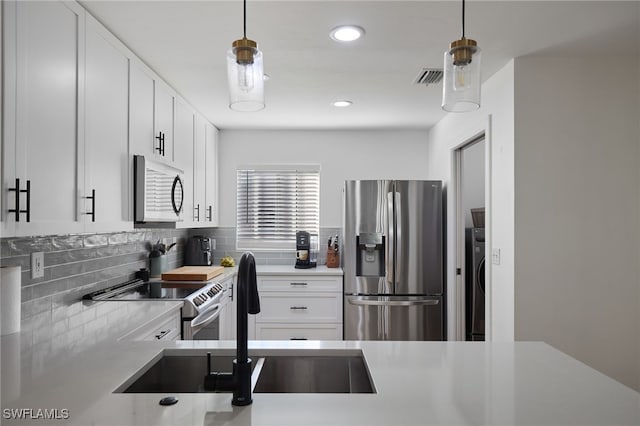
193, 273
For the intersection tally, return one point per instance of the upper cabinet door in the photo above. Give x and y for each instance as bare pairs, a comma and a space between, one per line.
163, 101
211, 175
43, 137
183, 156
105, 202
151, 110
199, 171
142, 140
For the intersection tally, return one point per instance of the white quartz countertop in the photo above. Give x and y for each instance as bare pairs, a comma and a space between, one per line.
290, 270
417, 383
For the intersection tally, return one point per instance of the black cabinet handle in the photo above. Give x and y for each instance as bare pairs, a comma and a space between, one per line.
18, 191
92, 197
210, 213
298, 308
298, 338
160, 147
28, 210
196, 217
298, 283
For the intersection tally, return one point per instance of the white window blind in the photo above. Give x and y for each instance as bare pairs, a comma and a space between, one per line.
275, 202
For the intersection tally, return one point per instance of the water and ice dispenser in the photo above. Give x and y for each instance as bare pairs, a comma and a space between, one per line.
370, 254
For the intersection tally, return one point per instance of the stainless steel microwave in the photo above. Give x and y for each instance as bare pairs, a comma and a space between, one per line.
158, 191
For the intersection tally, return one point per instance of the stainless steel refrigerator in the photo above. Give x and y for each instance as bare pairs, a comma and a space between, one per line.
393, 260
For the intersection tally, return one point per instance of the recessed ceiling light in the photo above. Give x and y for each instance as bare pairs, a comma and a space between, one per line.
346, 33
341, 103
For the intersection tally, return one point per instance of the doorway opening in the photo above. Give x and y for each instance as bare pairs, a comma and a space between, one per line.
470, 172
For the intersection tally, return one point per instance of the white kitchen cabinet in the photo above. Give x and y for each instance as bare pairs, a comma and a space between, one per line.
211, 175
205, 174
151, 112
163, 118
288, 331
184, 140
166, 327
199, 172
105, 203
43, 117
227, 315
299, 307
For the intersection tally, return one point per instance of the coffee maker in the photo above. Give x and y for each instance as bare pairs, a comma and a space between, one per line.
306, 250
199, 251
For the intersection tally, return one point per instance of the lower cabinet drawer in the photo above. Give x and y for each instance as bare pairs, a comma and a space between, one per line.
167, 328
295, 308
292, 332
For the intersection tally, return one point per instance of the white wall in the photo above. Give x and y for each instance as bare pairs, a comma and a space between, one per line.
454, 130
342, 155
577, 157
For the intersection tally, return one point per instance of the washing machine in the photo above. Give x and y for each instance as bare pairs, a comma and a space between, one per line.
475, 324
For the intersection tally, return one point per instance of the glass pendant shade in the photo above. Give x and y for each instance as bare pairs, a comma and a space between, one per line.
461, 90
246, 81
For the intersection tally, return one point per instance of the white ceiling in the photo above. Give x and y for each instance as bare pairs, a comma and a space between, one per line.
186, 42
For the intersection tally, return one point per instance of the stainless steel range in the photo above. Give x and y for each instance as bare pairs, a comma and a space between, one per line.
203, 302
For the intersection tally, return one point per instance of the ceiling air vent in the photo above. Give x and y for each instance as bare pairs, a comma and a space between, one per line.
429, 76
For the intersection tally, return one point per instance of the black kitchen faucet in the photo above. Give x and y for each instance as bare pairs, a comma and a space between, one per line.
248, 302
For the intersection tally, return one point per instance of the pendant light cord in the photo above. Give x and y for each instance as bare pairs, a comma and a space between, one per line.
462, 18
244, 14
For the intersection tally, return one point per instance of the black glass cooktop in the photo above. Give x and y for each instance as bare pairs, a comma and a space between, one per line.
140, 290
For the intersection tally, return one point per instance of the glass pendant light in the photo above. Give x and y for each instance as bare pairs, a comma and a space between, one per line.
245, 73
461, 89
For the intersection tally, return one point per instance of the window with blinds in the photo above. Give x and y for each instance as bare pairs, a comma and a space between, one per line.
273, 203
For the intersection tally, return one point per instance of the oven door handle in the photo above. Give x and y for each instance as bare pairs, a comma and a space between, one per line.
206, 317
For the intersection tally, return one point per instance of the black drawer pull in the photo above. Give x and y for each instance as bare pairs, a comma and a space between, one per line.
299, 284
196, 217
210, 213
298, 308
298, 338
162, 334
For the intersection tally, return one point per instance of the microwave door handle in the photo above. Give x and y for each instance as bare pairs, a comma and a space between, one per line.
177, 204
206, 317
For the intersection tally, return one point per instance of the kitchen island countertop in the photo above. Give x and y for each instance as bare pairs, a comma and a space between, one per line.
417, 383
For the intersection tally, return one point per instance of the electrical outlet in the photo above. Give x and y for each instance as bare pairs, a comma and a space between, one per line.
37, 265
495, 256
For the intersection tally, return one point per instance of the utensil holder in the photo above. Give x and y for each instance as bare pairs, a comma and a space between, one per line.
158, 265
333, 259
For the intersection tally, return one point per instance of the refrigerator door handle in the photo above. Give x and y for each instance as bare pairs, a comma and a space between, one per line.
398, 239
378, 301
391, 241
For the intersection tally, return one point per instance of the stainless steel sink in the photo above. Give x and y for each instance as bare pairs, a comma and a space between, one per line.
314, 374
180, 371
176, 374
